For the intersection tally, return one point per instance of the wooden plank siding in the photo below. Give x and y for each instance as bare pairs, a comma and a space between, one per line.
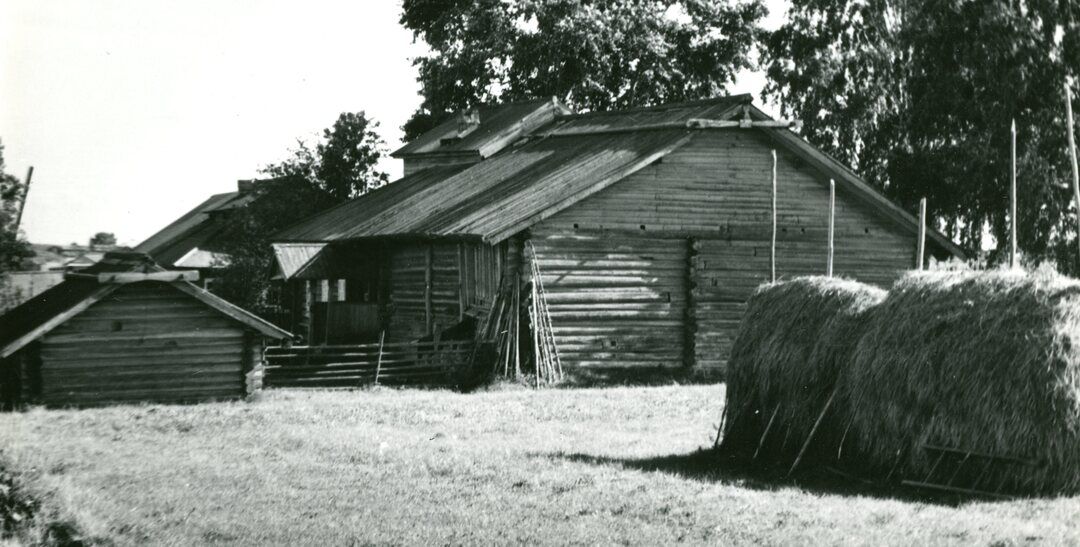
429, 282
697, 221
144, 342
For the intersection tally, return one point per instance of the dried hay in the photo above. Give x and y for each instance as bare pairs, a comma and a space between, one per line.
792, 347
978, 361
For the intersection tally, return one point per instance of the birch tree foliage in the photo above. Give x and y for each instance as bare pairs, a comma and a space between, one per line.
917, 96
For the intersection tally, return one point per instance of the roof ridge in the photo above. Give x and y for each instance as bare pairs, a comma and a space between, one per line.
739, 97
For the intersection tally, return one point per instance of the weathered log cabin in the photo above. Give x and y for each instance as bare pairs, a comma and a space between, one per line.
125, 330
647, 229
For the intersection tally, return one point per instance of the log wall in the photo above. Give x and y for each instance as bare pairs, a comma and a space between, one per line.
615, 302
144, 342
698, 221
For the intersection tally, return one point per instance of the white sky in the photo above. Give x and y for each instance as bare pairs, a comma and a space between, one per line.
134, 111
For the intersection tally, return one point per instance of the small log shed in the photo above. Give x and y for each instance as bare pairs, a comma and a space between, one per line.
125, 330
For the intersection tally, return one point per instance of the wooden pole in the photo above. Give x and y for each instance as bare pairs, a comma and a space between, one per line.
1072, 154
428, 315
921, 249
772, 246
765, 434
326, 315
378, 360
1013, 258
813, 431
22, 202
461, 281
538, 362
832, 225
309, 307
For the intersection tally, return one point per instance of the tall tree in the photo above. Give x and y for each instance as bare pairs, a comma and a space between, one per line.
592, 54
344, 163
918, 95
14, 250
348, 156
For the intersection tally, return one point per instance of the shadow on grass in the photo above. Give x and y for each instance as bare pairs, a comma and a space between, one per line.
711, 466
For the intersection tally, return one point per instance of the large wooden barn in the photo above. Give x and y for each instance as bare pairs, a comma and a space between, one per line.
648, 228
125, 330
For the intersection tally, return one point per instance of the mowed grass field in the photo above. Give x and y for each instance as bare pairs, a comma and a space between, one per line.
586, 466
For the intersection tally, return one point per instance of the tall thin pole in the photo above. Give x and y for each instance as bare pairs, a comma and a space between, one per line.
832, 224
1012, 201
1072, 153
921, 249
772, 246
378, 360
22, 203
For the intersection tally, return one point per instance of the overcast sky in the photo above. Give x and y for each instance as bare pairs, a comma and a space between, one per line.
132, 112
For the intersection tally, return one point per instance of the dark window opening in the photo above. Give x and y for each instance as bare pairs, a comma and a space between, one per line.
117, 326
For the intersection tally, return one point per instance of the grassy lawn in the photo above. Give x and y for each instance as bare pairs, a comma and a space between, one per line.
557, 466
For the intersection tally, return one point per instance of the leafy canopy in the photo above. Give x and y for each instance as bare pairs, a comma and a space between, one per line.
918, 96
592, 54
344, 163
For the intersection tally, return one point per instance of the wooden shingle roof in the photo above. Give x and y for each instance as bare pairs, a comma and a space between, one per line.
546, 171
494, 199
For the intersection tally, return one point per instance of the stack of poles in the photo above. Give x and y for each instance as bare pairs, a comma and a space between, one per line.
503, 325
546, 360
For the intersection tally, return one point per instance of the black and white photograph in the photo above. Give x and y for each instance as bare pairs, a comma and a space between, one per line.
539, 272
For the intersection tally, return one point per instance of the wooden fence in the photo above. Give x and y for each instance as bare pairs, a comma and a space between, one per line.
400, 363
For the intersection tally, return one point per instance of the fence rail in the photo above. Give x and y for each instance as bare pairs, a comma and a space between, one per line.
400, 363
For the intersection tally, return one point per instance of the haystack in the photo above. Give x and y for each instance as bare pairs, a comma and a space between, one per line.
790, 353
985, 363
